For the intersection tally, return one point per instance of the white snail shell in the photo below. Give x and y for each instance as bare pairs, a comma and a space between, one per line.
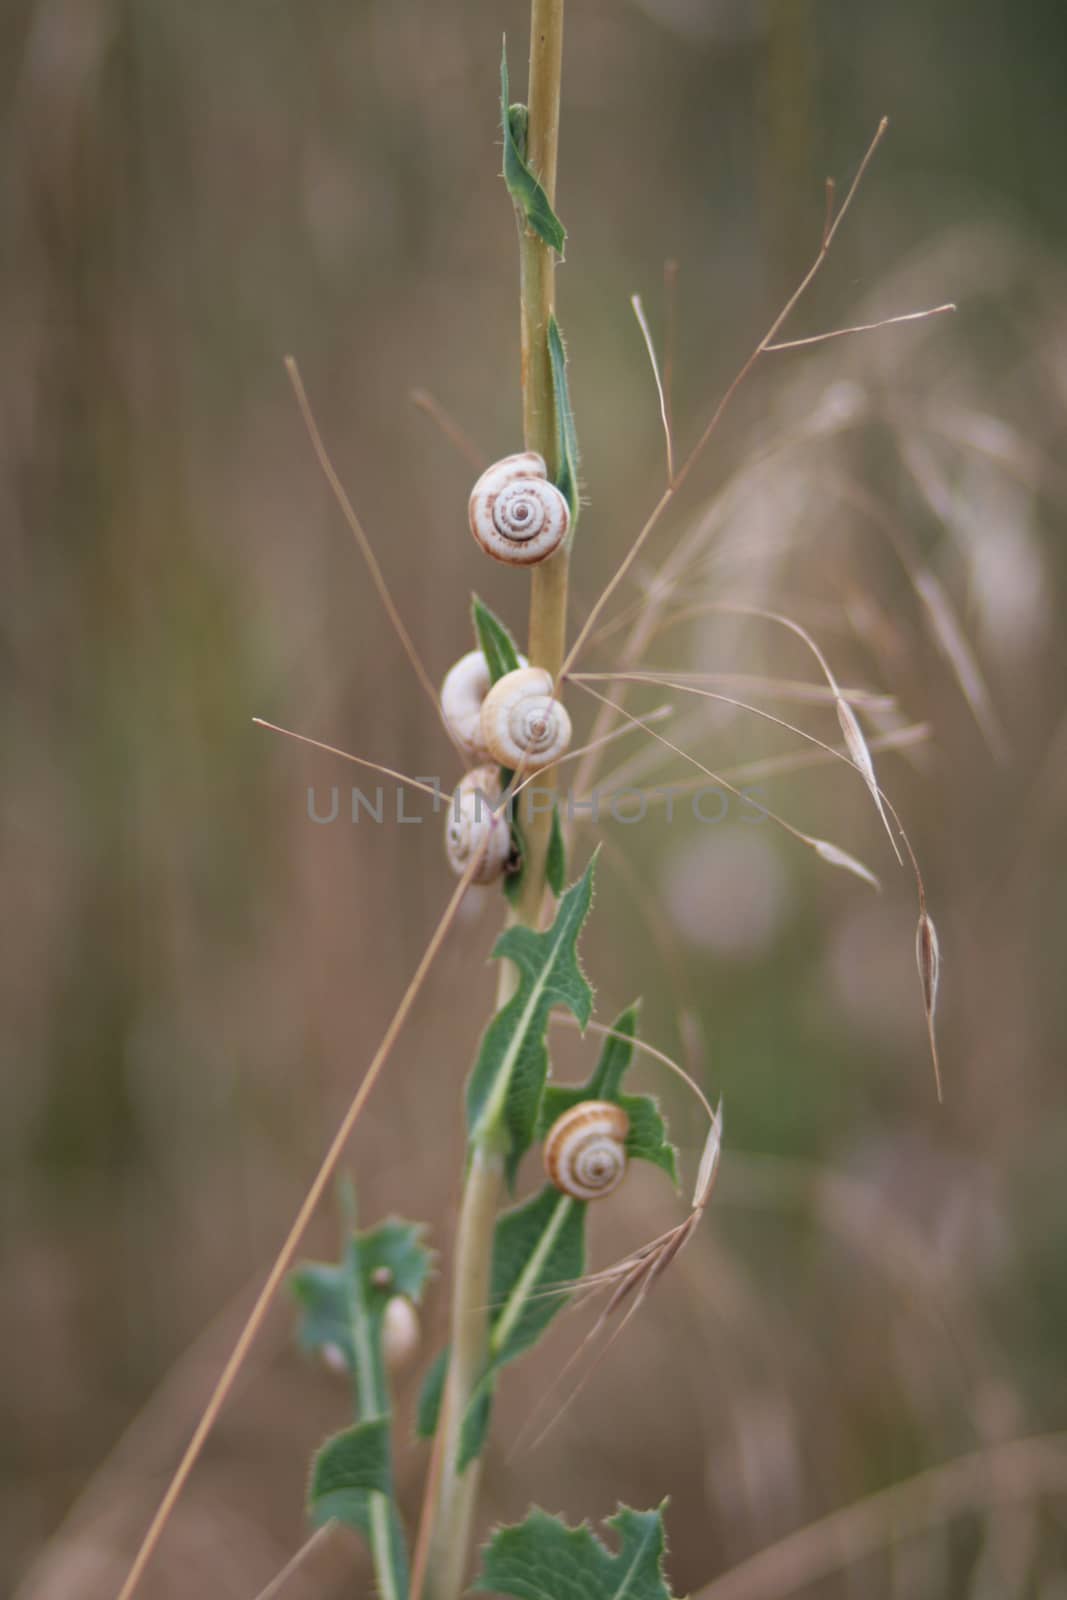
462, 693
400, 1332
585, 1150
516, 515
473, 817
523, 725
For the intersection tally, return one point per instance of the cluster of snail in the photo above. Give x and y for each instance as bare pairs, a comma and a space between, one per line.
516, 724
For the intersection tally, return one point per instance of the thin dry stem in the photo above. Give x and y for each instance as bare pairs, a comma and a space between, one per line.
1005, 1473
694, 455
365, 547
670, 301
346, 755
836, 855
766, 767
311, 1546
642, 322
284, 1258
424, 401
860, 327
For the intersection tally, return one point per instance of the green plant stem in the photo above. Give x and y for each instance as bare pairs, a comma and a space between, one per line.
537, 282
372, 1403
456, 1492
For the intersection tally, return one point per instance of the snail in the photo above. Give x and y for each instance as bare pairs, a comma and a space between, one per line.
400, 1332
516, 515
523, 725
465, 687
585, 1149
473, 816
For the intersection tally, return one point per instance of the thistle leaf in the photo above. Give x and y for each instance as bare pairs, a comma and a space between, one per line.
647, 1139
505, 1087
428, 1412
494, 641
346, 1470
539, 1246
530, 199
566, 435
543, 1557
324, 1324
343, 1306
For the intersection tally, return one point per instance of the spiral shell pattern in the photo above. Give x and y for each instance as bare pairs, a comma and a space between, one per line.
462, 693
473, 819
523, 724
585, 1150
516, 515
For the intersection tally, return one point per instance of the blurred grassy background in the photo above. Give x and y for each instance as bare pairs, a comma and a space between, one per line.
195, 975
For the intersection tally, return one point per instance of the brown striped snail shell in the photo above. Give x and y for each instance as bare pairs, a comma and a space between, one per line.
516, 515
474, 818
585, 1149
523, 724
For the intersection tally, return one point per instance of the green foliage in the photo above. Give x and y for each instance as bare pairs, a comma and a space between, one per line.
494, 641
539, 1245
530, 199
343, 1307
556, 859
647, 1139
566, 434
325, 1324
505, 1088
428, 1412
543, 1559
347, 1469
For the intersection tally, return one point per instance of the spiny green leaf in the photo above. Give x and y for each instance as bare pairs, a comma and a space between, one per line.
428, 1413
566, 435
556, 860
647, 1137
346, 1470
540, 1244
393, 1260
525, 190
324, 1323
543, 1559
505, 1087
344, 1305
494, 641
537, 1244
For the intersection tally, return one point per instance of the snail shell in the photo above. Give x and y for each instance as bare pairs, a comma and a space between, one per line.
585, 1150
523, 725
465, 687
516, 515
473, 817
400, 1332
